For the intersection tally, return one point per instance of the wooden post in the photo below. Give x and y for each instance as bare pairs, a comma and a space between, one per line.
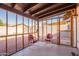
6, 31
76, 24
23, 31
46, 26
42, 29
16, 32
38, 28
58, 38
71, 19
51, 25
28, 31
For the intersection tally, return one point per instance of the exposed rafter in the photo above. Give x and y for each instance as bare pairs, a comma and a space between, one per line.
37, 10
29, 6
55, 9
40, 7
13, 5
46, 10
58, 11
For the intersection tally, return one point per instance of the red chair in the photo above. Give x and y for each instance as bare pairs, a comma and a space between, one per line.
30, 38
49, 37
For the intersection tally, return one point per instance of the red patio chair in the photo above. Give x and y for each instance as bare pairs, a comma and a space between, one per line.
49, 37
30, 38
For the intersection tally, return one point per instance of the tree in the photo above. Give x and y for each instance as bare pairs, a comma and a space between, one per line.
1, 23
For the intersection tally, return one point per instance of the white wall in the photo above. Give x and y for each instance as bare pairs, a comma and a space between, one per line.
74, 30
78, 26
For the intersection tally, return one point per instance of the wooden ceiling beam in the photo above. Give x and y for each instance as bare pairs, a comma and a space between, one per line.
46, 9
55, 9
30, 5
58, 11
40, 7
13, 5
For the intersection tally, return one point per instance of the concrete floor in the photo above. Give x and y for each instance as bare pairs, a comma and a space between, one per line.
46, 49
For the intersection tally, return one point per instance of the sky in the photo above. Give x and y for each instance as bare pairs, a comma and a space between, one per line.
12, 18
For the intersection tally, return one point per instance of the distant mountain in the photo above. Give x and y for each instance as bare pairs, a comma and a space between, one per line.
17, 25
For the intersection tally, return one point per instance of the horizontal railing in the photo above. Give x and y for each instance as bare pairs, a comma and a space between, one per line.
16, 34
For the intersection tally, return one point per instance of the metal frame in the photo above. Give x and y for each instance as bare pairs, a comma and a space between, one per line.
51, 25
59, 31
71, 20
38, 28
34, 28
76, 25
16, 32
76, 31
46, 26
42, 29
6, 30
23, 31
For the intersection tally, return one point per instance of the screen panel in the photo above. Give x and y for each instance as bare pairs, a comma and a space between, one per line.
65, 31
19, 32
54, 30
26, 31
2, 32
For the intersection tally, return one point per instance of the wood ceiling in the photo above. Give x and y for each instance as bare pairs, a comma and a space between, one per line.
37, 10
